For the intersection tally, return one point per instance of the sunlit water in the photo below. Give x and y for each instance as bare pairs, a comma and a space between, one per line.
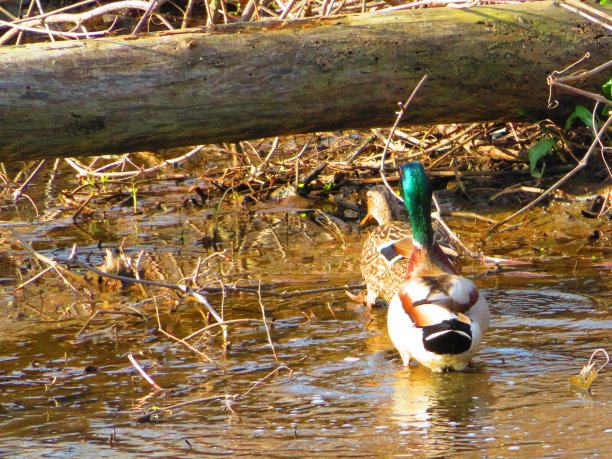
346, 394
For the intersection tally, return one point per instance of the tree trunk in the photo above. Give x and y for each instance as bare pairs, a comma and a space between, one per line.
255, 80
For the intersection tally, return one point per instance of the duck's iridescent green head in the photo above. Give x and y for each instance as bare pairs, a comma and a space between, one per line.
416, 191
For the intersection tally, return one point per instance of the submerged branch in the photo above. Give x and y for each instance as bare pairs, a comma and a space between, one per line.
153, 414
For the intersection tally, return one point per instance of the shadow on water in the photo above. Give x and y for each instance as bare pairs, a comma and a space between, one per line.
347, 395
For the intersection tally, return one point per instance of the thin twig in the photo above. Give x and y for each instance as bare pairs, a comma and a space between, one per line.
187, 14
147, 417
453, 236
469, 215
400, 114
27, 15
263, 315
40, 9
179, 340
145, 17
581, 92
18, 27
33, 279
55, 12
102, 311
582, 75
18, 191
226, 322
143, 373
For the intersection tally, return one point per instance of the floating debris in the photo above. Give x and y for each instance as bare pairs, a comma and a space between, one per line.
589, 373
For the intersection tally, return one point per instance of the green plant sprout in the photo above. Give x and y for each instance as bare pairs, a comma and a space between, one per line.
90, 181
104, 182
133, 192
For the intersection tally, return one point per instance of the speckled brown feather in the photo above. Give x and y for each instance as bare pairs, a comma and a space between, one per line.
383, 280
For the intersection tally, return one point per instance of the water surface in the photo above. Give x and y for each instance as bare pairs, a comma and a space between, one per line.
344, 394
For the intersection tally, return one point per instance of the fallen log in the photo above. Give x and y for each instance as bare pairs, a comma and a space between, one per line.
253, 80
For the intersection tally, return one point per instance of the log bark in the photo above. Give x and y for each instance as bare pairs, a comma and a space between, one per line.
256, 80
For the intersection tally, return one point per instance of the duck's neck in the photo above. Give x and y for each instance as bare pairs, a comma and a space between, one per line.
417, 199
427, 257
383, 205
383, 214
428, 261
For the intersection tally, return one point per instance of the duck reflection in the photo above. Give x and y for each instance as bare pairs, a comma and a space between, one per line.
446, 410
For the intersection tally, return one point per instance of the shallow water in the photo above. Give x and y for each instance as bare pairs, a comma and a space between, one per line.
346, 394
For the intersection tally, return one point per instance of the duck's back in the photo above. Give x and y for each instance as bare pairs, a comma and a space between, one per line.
383, 276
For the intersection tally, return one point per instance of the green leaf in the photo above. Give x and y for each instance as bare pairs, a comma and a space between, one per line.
582, 113
607, 88
605, 2
538, 150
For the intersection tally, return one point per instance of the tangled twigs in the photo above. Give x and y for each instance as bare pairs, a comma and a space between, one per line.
183, 341
16, 28
583, 162
153, 4
215, 11
85, 171
78, 19
400, 114
189, 291
54, 264
224, 288
555, 80
588, 12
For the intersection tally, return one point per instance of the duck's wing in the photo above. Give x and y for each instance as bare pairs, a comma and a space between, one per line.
432, 299
380, 246
382, 268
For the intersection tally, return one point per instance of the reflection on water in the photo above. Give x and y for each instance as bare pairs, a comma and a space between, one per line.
439, 407
348, 394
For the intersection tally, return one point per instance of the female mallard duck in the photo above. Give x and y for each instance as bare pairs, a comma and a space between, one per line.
383, 277
383, 269
437, 317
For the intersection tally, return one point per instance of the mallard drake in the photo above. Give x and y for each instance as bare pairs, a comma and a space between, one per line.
383, 269
437, 317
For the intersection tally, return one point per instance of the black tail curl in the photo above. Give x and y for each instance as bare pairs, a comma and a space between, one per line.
447, 337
